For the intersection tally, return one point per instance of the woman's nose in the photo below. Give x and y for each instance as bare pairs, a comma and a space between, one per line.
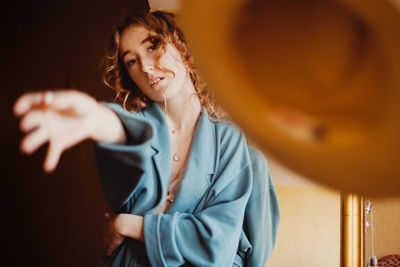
147, 65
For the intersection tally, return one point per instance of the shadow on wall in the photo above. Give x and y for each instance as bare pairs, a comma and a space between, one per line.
57, 219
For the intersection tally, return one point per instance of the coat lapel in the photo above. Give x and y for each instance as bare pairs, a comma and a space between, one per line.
161, 147
199, 167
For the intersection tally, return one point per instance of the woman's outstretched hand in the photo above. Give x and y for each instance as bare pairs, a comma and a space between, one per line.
63, 119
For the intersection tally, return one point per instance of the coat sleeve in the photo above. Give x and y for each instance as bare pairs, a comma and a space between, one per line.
207, 238
210, 236
262, 214
121, 167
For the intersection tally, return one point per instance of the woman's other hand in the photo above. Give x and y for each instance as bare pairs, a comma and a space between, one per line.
120, 226
113, 236
63, 119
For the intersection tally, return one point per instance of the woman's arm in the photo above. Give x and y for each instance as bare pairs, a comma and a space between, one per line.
262, 214
207, 238
64, 119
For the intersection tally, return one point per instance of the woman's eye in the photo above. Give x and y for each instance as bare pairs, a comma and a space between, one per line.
152, 47
131, 62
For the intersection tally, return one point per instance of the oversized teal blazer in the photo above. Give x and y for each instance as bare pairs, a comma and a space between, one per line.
225, 212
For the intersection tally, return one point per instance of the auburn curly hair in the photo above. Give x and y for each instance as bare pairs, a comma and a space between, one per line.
164, 29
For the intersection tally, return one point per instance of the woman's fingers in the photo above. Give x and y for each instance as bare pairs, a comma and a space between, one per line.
62, 117
31, 120
109, 250
75, 101
53, 156
60, 99
111, 246
34, 140
110, 239
27, 102
107, 241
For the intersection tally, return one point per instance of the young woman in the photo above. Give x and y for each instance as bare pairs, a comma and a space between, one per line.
185, 187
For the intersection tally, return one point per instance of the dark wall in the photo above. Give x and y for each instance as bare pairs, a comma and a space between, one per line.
57, 219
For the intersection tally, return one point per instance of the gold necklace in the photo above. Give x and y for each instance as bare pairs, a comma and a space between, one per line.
176, 156
176, 131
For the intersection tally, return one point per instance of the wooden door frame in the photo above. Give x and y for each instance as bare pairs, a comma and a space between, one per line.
352, 230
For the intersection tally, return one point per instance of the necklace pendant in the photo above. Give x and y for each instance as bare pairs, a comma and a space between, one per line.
176, 157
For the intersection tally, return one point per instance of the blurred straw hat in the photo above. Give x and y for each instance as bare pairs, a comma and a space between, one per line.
316, 83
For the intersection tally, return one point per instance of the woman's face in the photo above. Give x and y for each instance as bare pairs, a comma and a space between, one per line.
146, 66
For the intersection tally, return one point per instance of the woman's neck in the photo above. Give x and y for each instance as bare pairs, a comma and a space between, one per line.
182, 111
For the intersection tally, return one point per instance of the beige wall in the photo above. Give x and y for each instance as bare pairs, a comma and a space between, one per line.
164, 4
309, 233
386, 227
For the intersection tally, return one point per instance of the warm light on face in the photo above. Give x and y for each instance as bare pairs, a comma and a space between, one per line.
158, 71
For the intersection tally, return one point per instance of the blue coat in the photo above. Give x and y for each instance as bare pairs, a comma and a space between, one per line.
211, 221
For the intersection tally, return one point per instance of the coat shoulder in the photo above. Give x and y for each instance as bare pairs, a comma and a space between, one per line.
230, 138
232, 152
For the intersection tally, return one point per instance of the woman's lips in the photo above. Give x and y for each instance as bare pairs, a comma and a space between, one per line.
155, 82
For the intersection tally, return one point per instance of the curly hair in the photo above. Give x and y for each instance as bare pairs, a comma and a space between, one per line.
164, 29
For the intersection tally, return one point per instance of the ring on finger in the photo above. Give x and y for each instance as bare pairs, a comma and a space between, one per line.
48, 97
